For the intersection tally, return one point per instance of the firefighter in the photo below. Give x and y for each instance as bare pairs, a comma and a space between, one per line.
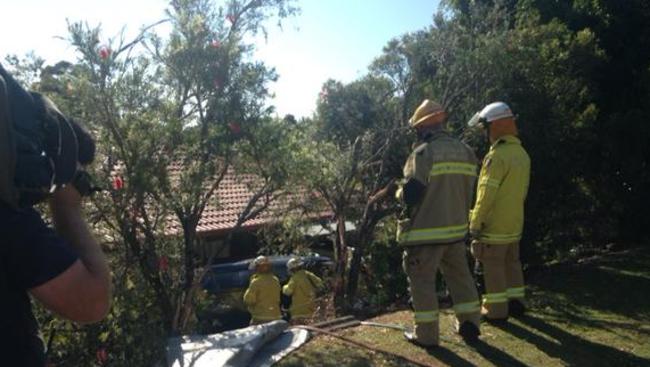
302, 288
437, 190
496, 222
263, 294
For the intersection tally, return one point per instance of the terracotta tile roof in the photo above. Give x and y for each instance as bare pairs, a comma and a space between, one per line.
232, 197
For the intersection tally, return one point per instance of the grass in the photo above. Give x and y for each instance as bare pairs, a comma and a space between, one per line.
594, 313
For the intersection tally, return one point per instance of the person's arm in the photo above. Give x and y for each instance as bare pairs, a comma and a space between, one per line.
250, 295
316, 281
81, 293
287, 290
489, 182
388, 190
416, 176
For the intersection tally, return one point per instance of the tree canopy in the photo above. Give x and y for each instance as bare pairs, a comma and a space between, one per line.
575, 72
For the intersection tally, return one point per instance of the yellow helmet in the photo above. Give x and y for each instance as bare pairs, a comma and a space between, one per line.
429, 113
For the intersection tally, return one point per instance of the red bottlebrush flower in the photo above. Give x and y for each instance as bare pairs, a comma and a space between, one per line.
118, 183
104, 52
231, 18
163, 264
102, 356
215, 44
234, 127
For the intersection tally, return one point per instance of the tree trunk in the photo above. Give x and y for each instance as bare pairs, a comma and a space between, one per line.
341, 259
353, 275
185, 300
162, 298
364, 236
189, 237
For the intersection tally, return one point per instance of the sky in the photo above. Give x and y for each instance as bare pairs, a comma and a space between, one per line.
329, 39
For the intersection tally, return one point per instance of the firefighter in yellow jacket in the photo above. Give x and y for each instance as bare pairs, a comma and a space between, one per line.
302, 288
497, 220
437, 191
263, 294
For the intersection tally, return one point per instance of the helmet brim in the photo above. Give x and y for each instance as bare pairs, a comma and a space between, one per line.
431, 119
475, 120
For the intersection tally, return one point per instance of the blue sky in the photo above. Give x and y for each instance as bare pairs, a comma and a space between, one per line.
330, 38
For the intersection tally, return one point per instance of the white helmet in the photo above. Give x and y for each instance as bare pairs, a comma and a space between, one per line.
492, 112
260, 260
294, 263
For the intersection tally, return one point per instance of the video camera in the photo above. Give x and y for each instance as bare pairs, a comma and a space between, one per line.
40, 148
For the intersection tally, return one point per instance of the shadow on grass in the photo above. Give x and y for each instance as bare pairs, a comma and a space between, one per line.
490, 353
326, 360
619, 285
496, 356
448, 357
614, 327
341, 356
571, 349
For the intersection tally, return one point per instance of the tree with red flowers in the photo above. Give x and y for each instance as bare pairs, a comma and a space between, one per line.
197, 100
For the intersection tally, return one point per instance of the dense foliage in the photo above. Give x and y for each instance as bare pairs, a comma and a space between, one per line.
549, 63
171, 116
576, 72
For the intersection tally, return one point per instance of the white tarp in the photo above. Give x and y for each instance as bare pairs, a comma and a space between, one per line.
256, 346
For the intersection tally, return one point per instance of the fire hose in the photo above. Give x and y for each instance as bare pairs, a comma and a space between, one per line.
364, 345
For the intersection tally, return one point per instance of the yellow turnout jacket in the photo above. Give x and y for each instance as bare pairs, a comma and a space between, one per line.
263, 297
446, 169
498, 216
302, 289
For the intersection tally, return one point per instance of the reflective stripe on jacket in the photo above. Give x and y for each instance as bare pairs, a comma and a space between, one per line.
263, 297
498, 215
447, 169
302, 288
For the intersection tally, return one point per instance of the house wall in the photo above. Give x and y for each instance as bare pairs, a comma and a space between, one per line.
213, 246
244, 245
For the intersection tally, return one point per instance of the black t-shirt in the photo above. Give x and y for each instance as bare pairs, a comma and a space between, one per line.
30, 255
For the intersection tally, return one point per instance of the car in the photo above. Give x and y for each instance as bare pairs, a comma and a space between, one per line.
224, 278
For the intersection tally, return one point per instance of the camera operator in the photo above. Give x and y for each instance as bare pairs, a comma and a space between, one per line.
63, 268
